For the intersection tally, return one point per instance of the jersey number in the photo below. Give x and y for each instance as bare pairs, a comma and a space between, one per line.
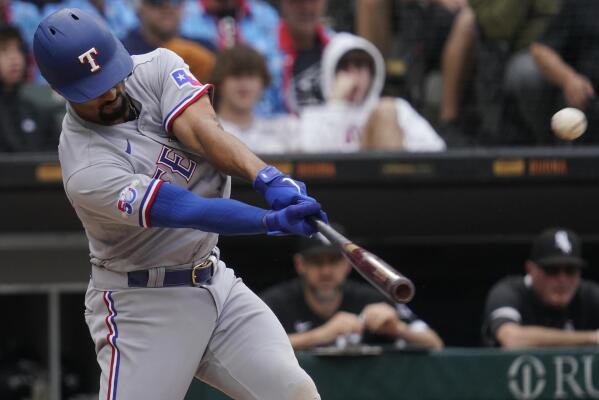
175, 162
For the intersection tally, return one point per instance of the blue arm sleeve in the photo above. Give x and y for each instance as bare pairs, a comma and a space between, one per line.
175, 207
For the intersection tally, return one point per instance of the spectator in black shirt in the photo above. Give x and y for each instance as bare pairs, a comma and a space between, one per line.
302, 39
568, 56
551, 305
23, 125
323, 308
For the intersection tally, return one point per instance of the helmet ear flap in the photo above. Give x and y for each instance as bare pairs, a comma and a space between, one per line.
79, 55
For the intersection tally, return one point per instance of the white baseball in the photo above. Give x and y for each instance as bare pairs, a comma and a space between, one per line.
569, 123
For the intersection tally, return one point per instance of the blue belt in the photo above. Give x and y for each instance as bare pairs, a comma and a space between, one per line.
200, 274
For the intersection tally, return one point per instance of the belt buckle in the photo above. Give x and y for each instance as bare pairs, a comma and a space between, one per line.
207, 263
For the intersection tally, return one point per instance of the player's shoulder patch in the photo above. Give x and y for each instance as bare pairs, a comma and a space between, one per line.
127, 199
183, 77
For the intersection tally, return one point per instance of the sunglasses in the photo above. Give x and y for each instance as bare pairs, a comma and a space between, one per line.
569, 270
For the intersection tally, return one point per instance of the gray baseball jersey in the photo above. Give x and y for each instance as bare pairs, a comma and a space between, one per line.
151, 341
110, 173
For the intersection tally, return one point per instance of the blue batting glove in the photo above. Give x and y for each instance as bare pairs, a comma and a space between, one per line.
292, 219
278, 189
323, 216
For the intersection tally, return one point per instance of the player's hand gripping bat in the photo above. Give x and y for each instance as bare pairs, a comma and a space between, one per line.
376, 271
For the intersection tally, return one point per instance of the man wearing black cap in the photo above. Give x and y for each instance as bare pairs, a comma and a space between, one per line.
551, 305
322, 307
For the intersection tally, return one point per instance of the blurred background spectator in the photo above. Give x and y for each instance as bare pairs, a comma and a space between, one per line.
220, 24
25, 16
160, 22
22, 14
24, 125
354, 116
551, 305
240, 77
568, 55
301, 40
118, 14
323, 307
456, 64
509, 84
484, 73
428, 36
340, 15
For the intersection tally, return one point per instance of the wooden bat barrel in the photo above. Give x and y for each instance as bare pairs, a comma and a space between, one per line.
376, 271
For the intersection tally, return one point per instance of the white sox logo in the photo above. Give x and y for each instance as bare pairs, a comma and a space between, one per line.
563, 242
88, 57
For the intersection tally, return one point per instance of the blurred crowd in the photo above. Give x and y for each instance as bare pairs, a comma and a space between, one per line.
340, 76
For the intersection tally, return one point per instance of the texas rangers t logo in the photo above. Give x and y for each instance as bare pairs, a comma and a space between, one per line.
88, 57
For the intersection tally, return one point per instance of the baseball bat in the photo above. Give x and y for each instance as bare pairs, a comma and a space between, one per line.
376, 271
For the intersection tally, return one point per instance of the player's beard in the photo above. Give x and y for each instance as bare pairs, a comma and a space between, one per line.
118, 114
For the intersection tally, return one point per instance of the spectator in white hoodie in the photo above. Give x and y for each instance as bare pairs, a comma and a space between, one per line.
355, 117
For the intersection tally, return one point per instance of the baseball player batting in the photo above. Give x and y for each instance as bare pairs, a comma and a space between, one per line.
146, 167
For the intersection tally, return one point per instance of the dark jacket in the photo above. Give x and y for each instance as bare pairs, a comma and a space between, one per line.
23, 125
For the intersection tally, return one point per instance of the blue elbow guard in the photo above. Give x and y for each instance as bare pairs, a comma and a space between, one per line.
175, 207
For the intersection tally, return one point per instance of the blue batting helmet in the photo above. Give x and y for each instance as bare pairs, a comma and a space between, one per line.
79, 56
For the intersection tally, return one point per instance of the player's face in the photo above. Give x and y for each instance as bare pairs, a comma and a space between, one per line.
303, 16
12, 63
323, 275
557, 285
110, 108
241, 93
